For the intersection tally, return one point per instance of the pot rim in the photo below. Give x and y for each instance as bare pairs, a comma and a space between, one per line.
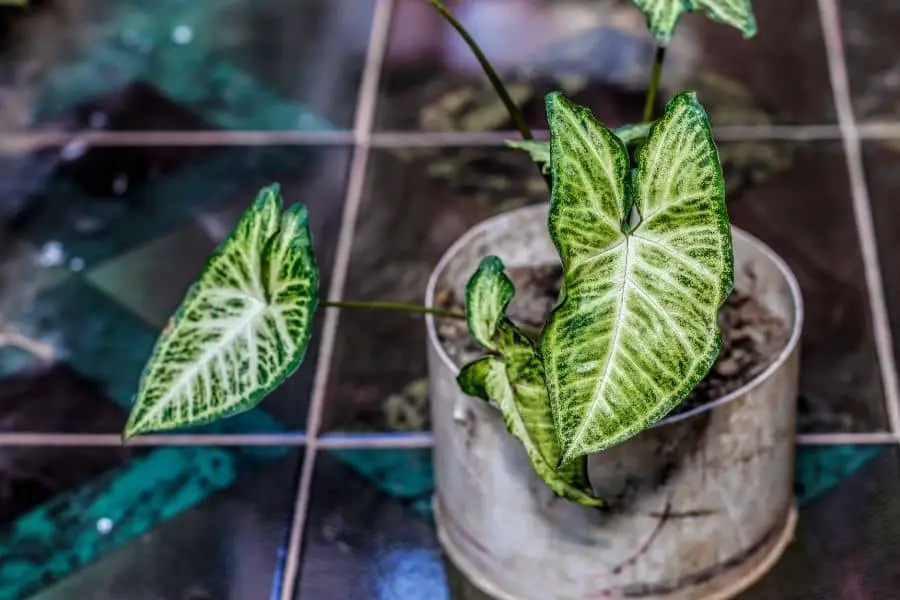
775, 365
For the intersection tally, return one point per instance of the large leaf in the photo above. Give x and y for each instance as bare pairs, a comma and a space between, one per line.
637, 329
242, 328
512, 379
663, 15
540, 150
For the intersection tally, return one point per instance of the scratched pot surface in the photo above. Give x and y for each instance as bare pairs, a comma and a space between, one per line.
99, 241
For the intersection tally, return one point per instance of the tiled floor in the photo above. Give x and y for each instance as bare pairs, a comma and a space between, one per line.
132, 134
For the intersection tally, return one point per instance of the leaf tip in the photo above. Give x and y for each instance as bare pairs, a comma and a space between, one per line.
555, 102
270, 194
492, 264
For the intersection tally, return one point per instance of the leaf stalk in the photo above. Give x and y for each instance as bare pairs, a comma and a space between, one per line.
514, 113
655, 76
394, 307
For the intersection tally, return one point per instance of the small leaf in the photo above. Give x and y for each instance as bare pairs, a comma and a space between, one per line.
632, 133
472, 378
663, 15
540, 150
242, 328
638, 327
488, 294
513, 381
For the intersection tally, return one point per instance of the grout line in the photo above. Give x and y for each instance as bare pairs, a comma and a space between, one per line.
83, 139
330, 441
878, 131
417, 439
26, 142
115, 440
799, 133
363, 125
837, 65
838, 439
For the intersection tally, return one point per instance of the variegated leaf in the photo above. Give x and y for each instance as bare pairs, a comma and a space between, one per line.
511, 378
242, 328
638, 327
540, 150
663, 15
488, 294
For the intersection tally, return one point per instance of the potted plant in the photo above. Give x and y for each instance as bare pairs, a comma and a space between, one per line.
625, 426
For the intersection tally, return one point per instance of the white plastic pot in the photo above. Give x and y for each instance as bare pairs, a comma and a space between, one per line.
701, 505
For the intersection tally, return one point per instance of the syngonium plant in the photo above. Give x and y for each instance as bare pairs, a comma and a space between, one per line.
637, 215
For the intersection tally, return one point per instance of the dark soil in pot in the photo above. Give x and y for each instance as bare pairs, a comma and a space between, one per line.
753, 336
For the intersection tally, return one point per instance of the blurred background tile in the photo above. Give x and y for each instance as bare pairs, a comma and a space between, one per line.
88, 276
186, 523
599, 53
833, 556
870, 45
416, 203
801, 206
880, 160
368, 533
237, 64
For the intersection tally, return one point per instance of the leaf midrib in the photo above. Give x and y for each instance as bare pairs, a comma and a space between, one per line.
595, 399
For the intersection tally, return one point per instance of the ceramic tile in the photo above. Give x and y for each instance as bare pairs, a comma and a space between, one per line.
101, 315
236, 65
836, 557
870, 45
416, 203
370, 536
185, 523
770, 187
600, 55
800, 205
881, 160
98, 203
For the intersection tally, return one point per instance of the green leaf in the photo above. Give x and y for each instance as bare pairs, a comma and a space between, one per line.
540, 150
242, 328
488, 294
512, 379
663, 15
632, 133
638, 327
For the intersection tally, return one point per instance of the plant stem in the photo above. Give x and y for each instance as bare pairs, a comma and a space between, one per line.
396, 307
654, 83
514, 112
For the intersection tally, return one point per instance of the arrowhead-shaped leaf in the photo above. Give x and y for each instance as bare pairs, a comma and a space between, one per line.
638, 327
242, 328
540, 150
512, 379
663, 15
